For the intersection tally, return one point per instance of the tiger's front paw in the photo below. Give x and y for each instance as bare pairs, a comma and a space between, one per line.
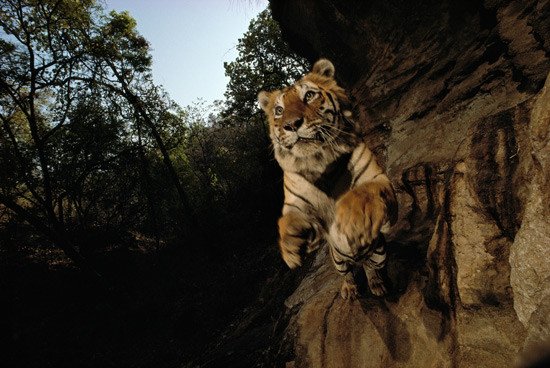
297, 236
376, 282
361, 212
349, 291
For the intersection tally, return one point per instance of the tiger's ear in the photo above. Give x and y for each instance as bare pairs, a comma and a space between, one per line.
324, 67
264, 98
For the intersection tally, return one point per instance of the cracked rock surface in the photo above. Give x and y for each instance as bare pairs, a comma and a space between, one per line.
454, 103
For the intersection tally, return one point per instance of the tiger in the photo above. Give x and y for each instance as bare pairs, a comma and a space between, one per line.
335, 192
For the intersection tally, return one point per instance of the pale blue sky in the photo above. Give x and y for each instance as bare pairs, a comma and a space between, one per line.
190, 40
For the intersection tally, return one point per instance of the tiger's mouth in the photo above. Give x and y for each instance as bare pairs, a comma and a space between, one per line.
318, 137
300, 141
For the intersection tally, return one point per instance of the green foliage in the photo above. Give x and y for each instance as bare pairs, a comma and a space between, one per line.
265, 62
119, 41
83, 126
91, 150
234, 181
226, 166
88, 142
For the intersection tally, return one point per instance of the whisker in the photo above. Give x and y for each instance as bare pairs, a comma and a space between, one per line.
329, 138
339, 130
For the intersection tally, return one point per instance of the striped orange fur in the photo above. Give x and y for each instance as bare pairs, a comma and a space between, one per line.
335, 192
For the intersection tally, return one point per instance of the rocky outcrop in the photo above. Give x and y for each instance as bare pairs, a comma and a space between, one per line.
453, 99
530, 254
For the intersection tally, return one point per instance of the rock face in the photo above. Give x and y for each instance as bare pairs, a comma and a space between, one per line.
530, 254
455, 105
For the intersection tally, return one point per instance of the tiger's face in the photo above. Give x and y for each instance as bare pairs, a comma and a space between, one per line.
308, 116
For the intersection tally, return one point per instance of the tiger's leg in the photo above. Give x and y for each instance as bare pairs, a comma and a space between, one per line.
304, 210
348, 290
298, 235
373, 265
349, 287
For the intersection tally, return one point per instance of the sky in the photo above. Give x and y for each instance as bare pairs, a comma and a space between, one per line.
190, 40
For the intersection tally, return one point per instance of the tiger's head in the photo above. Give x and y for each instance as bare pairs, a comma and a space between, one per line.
310, 116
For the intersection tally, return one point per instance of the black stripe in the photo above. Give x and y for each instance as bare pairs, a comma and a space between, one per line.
363, 252
377, 266
299, 196
343, 272
342, 254
347, 121
331, 100
360, 155
377, 175
339, 263
382, 252
333, 172
293, 205
362, 171
333, 107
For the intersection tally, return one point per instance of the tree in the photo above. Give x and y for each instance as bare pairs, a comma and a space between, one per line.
232, 177
123, 61
77, 105
37, 64
265, 62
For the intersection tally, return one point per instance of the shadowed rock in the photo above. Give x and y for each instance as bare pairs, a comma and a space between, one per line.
452, 100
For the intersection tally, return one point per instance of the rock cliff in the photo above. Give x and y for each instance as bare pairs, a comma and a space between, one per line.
454, 102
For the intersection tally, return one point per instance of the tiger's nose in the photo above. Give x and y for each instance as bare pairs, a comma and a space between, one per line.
294, 125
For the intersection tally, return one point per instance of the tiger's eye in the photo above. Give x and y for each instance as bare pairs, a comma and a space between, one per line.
309, 95
278, 110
